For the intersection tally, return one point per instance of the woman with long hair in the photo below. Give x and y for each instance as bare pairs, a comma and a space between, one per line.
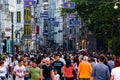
115, 73
68, 70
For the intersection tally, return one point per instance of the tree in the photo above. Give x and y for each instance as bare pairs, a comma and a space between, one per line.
99, 16
116, 46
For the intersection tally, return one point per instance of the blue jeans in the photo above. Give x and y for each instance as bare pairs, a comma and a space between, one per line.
27, 78
2, 78
47, 79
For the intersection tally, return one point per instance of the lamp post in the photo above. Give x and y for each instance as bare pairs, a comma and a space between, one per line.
12, 28
116, 6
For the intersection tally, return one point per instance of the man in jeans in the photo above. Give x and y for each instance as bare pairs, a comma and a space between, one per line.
100, 71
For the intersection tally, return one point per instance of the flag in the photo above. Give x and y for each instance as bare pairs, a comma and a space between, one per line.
51, 19
69, 5
30, 3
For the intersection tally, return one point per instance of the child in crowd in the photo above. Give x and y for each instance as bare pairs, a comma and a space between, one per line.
57, 76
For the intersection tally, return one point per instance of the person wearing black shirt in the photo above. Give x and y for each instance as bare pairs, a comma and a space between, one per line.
57, 64
47, 70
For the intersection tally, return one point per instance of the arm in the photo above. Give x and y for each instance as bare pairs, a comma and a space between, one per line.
108, 75
24, 73
52, 74
41, 75
78, 71
93, 74
90, 69
91, 78
16, 74
63, 71
112, 77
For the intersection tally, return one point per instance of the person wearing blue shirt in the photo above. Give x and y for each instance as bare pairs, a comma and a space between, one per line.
100, 71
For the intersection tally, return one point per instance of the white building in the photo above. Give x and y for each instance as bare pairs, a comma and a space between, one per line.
5, 18
18, 10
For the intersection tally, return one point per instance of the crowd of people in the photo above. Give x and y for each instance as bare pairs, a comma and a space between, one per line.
59, 65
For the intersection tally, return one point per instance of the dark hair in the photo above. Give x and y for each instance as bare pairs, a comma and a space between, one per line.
68, 62
35, 62
29, 62
101, 58
1, 62
117, 62
20, 60
55, 70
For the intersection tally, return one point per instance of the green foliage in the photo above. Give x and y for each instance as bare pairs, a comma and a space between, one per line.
116, 46
109, 43
99, 16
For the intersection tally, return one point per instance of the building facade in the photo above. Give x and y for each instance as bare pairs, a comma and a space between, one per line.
41, 23
55, 25
5, 22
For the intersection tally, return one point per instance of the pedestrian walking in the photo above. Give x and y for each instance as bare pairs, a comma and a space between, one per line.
100, 70
56, 75
35, 72
57, 64
2, 71
115, 74
48, 73
111, 62
27, 76
84, 69
19, 70
68, 70
14, 63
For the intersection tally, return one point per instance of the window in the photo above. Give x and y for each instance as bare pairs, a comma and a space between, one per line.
36, 20
37, 1
19, 17
45, 6
70, 31
45, 0
18, 1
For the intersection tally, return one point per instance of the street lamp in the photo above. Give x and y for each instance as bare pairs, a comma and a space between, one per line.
116, 6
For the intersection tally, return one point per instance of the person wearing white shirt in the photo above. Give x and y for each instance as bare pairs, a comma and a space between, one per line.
57, 76
19, 71
2, 71
115, 73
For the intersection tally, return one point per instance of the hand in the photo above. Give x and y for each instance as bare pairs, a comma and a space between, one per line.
21, 76
63, 75
77, 76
